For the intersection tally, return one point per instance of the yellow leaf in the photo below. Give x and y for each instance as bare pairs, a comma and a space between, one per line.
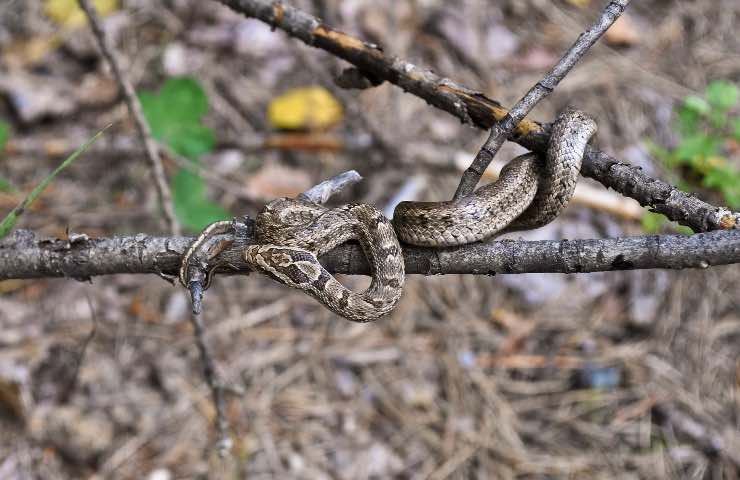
24, 52
68, 13
309, 108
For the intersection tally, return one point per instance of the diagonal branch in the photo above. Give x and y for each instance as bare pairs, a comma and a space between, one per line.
473, 107
134, 107
22, 255
502, 130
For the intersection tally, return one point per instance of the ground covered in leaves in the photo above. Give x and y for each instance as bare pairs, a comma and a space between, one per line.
614, 375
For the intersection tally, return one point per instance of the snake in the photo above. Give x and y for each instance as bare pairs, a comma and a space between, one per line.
530, 192
292, 233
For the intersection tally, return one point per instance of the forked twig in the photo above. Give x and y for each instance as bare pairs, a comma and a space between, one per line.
501, 130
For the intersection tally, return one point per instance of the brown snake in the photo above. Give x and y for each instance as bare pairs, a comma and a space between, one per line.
290, 234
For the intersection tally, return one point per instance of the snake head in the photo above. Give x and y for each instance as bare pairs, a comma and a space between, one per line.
282, 214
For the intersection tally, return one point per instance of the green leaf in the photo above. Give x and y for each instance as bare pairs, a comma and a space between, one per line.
662, 154
10, 220
726, 180
688, 121
4, 134
697, 147
733, 198
192, 141
722, 95
696, 104
657, 150
718, 121
192, 207
652, 222
185, 98
6, 186
736, 129
718, 175
174, 115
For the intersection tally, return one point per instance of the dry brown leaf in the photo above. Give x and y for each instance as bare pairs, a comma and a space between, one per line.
274, 181
30, 51
624, 33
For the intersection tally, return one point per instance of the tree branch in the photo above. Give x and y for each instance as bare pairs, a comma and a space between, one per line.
474, 108
22, 255
134, 107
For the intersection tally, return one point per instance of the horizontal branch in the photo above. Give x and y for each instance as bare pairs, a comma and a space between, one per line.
474, 108
22, 255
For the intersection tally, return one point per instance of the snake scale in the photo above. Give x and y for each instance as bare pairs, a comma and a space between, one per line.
290, 234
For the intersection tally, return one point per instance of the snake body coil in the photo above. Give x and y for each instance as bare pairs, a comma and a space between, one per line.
290, 234
528, 194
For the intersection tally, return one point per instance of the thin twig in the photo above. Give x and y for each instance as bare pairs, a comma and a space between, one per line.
215, 179
474, 107
142, 127
72, 385
223, 445
322, 192
22, 255
501, 130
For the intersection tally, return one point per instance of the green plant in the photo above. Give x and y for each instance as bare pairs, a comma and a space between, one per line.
709, 133
7, 224
4, 134
5, 186
175, 115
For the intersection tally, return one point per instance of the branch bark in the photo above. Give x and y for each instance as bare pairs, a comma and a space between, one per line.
22, 255
473, 107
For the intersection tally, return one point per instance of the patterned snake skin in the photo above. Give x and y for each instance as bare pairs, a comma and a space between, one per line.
527, 194
290, 234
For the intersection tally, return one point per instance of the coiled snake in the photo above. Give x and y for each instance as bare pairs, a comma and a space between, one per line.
290, 234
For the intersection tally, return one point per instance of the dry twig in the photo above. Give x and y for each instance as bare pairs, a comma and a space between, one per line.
223, 445
473, 107
24, 256
134, 107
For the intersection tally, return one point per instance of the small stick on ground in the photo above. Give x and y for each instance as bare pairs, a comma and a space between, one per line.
134, 107
70, 388
502, 129
223, 445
